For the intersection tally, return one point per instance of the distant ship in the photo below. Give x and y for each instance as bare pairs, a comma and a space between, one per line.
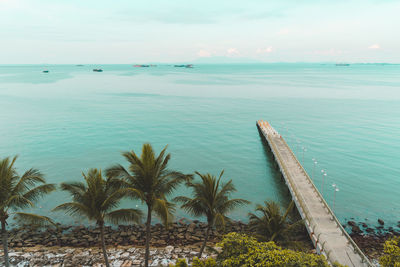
45, 71
342, 64
141, 66
97, 70
79, 65
184, 66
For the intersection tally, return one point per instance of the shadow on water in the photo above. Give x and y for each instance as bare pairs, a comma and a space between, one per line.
282, 190
274, 172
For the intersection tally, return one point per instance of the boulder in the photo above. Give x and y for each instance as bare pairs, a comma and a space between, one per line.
352, 223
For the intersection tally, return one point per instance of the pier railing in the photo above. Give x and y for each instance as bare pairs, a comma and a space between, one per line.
304, 209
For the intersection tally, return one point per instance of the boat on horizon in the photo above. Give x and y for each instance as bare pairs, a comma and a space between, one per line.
184, 66
141, 66
97, 70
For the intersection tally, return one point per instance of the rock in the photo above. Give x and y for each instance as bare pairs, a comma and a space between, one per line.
136, 262
352, 223
381, 222
125, 255
169, 249
127, 263
191, 227
164, 262
154, 263
117, 263
356, 230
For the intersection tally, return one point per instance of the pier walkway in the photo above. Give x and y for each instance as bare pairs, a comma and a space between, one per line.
326, 232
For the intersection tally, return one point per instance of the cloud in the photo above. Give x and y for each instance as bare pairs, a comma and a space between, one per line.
266, 50
203, 53
374, 46
232, 51
283, 31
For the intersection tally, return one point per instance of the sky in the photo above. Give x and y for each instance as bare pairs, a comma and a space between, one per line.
132, 31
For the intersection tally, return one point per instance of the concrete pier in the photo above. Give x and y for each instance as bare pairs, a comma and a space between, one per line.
326, 232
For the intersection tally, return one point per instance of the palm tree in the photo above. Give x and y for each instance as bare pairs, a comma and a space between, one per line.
211, 199
150, 181
96, 200
273, 225
18, 192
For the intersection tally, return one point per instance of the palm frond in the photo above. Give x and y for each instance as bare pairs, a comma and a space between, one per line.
220, 220
35, 193
181, 199
76, 189
16, 192
117, 171
134, 193
196, 207
113, 199
73, 208
211, 199
33, 219
164, 210
28, 179
124, 216
231, 204
17, 202
272, 224
289, 208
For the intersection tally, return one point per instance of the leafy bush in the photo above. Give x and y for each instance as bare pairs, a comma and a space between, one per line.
180, 263
242, 250
391, 250
209, 262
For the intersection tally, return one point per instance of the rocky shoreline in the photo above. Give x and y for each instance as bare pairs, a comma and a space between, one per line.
79, 245
371, 239
177, 234
120, 256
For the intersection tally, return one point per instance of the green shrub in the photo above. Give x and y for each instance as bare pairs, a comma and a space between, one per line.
210, 262
241, 250
391, 250
180, 263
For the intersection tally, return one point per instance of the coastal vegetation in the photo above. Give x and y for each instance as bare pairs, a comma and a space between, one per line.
96, 199
391, 250
263, 242
273, 224
211, 199
18, 192
150, 181
241, 250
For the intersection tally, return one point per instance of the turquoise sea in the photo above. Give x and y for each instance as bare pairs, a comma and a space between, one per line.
347, 118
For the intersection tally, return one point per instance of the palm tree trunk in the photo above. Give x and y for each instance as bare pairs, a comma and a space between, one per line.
103, 244
4, 235
205, 241
148, 236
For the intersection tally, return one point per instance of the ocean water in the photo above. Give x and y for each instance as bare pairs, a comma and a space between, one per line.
347, 118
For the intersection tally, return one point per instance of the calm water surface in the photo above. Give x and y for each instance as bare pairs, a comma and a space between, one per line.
348, 118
